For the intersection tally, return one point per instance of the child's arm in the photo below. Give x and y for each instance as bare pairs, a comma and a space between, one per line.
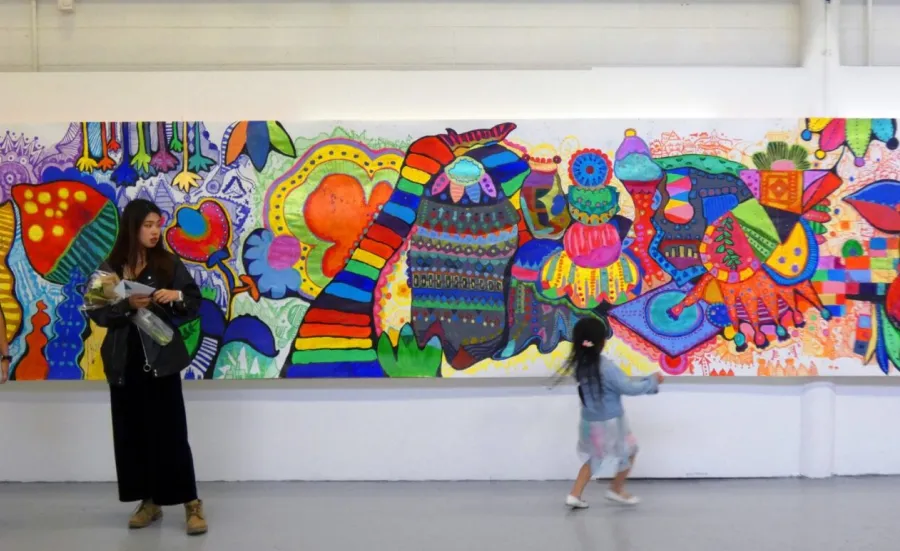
631, 386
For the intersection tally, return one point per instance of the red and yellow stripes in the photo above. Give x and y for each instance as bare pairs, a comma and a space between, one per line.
12, 310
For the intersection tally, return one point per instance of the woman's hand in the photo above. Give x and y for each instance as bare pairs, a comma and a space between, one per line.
166, 296
138, 301
660, 377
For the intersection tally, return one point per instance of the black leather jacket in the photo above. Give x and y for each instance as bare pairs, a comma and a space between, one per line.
163, 360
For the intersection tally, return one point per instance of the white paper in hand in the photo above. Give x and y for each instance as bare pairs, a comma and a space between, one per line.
133, 288
120, 291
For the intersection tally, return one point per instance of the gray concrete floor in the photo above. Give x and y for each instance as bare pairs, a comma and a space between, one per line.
839, 514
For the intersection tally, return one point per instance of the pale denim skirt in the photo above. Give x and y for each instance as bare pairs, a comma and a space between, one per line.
605, 443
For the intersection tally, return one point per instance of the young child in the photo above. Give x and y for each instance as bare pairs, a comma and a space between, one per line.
604, 431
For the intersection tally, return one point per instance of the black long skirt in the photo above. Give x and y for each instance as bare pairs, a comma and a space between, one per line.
150, 436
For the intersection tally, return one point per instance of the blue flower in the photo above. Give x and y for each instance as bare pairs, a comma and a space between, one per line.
590, 168
269, 260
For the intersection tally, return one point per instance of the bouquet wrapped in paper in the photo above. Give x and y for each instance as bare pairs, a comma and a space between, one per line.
106, 288
100, 290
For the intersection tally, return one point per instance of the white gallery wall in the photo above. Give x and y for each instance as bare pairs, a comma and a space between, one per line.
589, 59
399, 34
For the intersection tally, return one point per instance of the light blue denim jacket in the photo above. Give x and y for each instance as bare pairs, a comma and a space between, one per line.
603, 401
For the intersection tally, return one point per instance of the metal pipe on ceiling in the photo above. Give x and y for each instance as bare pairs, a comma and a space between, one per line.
35, 61
870, 42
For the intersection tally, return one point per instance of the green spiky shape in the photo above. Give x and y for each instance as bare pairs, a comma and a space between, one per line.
407, 359
782, 151
190, 333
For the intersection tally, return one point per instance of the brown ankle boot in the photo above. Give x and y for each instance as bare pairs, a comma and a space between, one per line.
196, 521
146, 514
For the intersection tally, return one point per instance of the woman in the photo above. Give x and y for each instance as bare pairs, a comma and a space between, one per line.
154, 463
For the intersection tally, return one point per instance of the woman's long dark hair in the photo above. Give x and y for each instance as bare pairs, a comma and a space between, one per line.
126, 251
588, 339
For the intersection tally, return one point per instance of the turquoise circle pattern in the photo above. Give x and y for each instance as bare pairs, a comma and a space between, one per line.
662, 323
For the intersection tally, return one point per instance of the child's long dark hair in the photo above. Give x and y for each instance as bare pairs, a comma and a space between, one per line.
588, 339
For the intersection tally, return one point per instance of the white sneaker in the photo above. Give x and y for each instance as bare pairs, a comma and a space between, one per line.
622, 500
574, 503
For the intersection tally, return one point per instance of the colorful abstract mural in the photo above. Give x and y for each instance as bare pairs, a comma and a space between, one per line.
709, 248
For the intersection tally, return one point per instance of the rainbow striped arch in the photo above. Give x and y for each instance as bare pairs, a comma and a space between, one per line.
337, 335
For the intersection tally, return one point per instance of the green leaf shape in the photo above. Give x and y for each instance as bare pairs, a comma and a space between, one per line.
407, 360
190, 333
280, 139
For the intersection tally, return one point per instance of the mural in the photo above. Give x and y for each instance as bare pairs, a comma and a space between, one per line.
717, 248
